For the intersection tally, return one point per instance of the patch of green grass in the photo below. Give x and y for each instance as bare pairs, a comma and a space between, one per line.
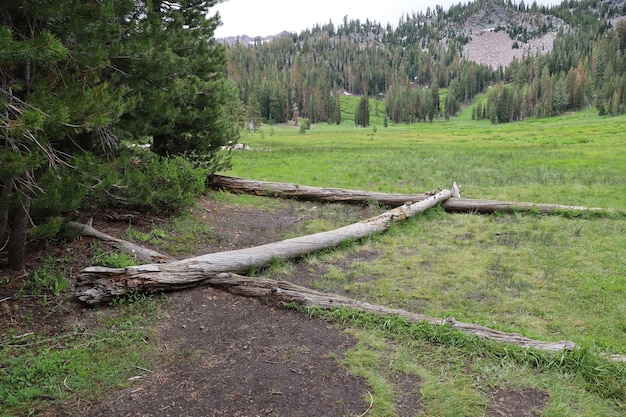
44, 281
39, 370
186, 232
112, 259
138, 235
573, 160
245, 199
457, 368
181, 235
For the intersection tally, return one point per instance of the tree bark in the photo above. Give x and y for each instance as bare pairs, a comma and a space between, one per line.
337, 195
97, 284
18, 227
130, 248
5, 191
464, 205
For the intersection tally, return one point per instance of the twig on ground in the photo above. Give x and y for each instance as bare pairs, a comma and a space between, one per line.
370, 407
143, 369
65, 385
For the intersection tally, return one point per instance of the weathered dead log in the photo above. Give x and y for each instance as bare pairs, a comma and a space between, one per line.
97, 284
338, 195
130, 248
287, 292
305, 193
464, 205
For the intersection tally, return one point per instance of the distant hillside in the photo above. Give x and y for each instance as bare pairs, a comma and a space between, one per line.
553, 59
480, 25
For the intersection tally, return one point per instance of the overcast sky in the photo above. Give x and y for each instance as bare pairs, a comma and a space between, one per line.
270, 17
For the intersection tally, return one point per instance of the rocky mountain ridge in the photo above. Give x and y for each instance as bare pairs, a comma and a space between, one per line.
493, 31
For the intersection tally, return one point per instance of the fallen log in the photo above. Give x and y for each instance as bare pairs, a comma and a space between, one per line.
287, 292
337, 195
465, 205
306, 193
98, 284
130, 248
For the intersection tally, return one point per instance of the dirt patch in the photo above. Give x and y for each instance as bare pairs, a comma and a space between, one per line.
225, 355
527, 402
231, 356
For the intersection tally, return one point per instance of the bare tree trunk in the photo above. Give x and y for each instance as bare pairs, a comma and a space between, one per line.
4, 210
97, 284
464, 205
18, 227
338, 195
130, 248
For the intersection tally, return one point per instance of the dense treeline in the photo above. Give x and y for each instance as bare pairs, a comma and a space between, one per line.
409, 65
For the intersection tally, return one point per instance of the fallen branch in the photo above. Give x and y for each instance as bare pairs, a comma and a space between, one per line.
287, 292
338, 195
140, 252
98, 284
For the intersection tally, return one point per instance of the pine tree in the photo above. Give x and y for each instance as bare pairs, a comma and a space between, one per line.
434, 93
54, 98
362, 114
75, 76
177, 75
253, 113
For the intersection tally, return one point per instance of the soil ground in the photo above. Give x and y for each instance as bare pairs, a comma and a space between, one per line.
229, 355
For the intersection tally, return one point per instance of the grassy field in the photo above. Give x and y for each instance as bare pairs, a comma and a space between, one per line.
572, 159
551, 277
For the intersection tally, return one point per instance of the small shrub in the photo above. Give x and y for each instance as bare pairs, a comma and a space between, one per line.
46, 230
167, 184
141, 179
114, 260
44, 281
305, 124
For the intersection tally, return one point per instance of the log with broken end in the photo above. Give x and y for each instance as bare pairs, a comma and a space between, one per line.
98, 284
454, 204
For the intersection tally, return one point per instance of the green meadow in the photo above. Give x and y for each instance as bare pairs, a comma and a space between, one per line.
549, 277
577, 159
